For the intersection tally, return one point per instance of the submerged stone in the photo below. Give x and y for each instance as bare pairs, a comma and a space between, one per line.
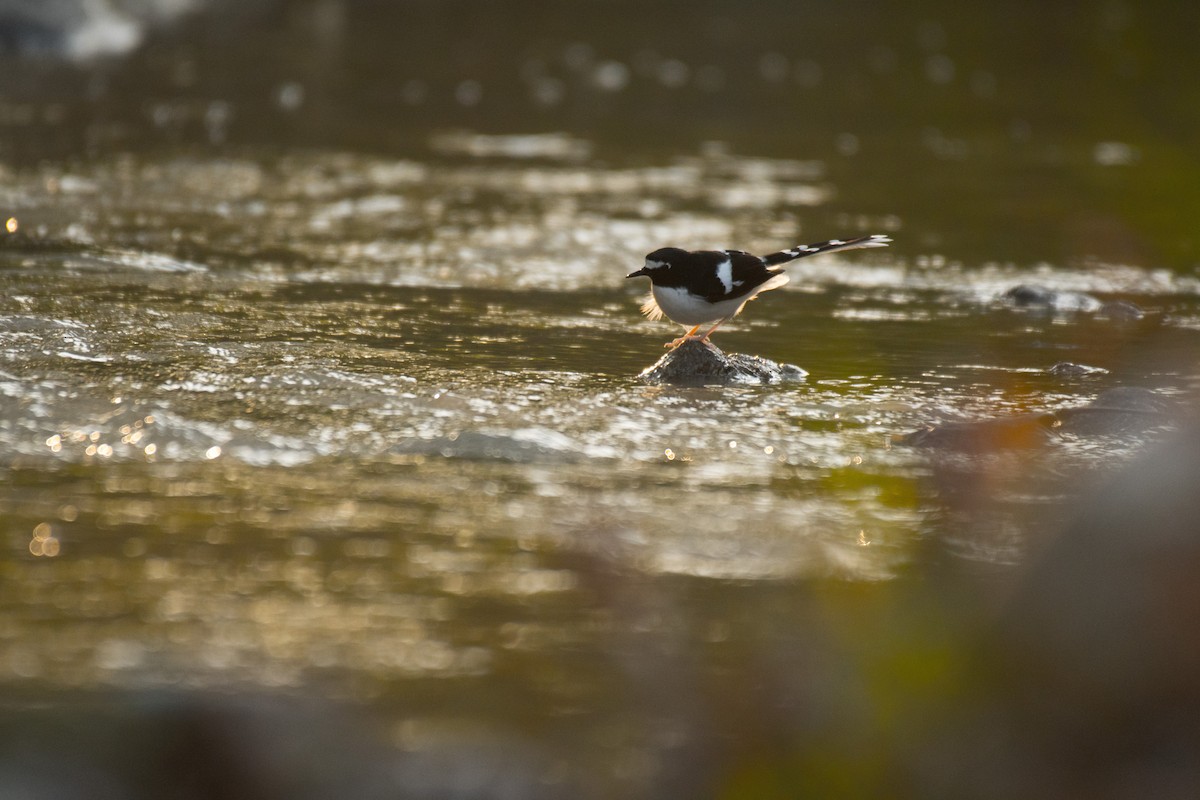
1121, 310
1125, 410
696, 363
1040, 298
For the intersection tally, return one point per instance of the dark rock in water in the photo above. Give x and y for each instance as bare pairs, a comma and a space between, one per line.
695, 363
1030, 296
1125, 410
1027, 295
1067, 369
1033, 297
1121, 310
1022, 432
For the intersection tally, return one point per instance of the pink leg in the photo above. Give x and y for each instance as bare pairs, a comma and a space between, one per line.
676, 342
704, 338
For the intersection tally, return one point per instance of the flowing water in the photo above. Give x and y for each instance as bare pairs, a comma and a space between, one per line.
370, 427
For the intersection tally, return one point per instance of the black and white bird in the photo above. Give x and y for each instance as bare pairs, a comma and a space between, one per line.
700, 287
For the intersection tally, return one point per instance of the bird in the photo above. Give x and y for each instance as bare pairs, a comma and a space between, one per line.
699, 287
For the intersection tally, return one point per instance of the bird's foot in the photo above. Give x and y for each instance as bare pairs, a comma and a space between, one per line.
671, 345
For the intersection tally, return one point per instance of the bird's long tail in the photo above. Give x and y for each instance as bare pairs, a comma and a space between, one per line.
784, 256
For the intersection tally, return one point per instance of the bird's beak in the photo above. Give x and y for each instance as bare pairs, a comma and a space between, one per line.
637, 274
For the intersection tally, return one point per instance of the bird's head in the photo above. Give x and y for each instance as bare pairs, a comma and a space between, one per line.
657, 263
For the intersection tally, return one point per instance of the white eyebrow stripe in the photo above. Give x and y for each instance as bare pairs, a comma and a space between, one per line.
725, 274
652, 264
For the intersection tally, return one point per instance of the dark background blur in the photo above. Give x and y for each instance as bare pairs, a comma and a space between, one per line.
1075, 122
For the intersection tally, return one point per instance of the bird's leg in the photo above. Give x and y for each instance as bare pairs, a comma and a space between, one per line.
708, 333
676, 342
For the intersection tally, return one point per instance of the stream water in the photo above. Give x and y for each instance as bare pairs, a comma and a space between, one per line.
370, 423
368, 428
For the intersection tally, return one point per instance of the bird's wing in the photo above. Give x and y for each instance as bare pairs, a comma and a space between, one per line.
733, 273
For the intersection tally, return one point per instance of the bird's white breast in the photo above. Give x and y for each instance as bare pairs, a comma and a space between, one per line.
680, 305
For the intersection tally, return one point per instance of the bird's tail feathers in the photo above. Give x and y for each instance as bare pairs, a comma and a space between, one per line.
784, 256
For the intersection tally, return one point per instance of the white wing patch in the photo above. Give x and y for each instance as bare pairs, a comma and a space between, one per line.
725, 274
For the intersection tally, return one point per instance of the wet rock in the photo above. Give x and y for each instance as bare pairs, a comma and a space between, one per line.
696, 363
1068, 369
1029, 296
1039, 297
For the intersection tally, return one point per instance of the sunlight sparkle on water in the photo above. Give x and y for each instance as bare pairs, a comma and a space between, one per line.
44, 543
